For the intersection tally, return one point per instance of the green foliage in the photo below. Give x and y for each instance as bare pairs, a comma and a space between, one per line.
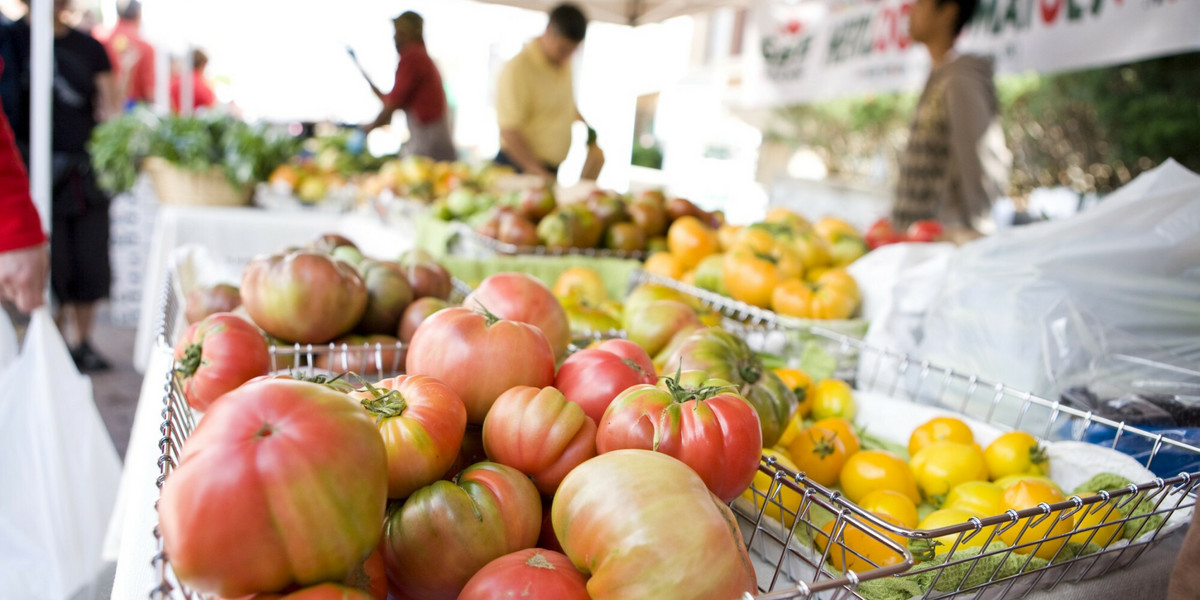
1089, 130
245, 153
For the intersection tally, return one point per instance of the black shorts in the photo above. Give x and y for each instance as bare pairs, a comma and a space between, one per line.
80, 270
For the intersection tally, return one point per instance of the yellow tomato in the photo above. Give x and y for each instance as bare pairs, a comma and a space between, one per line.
871, 470
982, 498
832, 398
665, 264
1028, 494
812, 250
782, 215
942, 544
940, 466
868, 552
832, 228
1016, 453
812, 275
819, 454
834, 295
582, 284
939, 429
845, 432
1005, 482
1099, 523
800, 383
690, 240
727, 234
893, 504
749, 277
784, 501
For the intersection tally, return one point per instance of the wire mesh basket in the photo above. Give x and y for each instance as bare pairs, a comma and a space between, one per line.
467, 242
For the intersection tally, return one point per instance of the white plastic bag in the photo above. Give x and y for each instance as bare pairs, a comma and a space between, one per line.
897, 283
1038, 307
58, 471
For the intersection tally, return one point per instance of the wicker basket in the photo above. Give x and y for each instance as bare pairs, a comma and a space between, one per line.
177, 186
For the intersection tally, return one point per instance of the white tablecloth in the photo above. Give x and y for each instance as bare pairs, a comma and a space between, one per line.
236, 235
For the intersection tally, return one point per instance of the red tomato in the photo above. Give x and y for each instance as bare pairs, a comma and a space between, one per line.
924, 231
592, 378
371, 577
714, 432
422, 422
644, 527
445, 532
324, 591
546, 539
282, 482
217, 355
480, 357
882, 233
416, 313
302, 296
537, 432
532, 574
520, 297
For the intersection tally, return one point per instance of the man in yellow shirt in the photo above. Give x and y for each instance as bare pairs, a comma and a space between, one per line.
535, 100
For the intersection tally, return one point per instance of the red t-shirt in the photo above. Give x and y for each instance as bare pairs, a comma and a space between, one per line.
20, 226
418, 87
202, 95
124, 38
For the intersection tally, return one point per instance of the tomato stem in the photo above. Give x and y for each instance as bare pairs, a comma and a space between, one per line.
824, 446
1037, 454
539, 561
632, 364
384, 405
191, 361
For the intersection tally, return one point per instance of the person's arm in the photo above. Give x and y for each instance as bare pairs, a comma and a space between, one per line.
1185, 576
976, 147
517, 148
24, 261
108, 99
397, 99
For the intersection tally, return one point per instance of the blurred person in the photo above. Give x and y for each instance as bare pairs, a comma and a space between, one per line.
418, 91
535, 97
955, 163
23, 257
202, 93
84, 94
131, 56
1184, 583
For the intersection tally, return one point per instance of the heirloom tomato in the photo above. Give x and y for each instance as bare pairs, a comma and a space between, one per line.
858, 550
723, 355
871, 470
690, 240
204, 301
645, 527
520, 297
302, 296
939, 429
532, 574
422, 422
324, 591
388, 294
284, 482
981, 498
217, 355
1031, 530
756, 265
927, 549
539, 433
819, 454
713, 431
832, 398
782, 501
893, 504
480, 356
447, 531
940, 466
582, 284
592, 378
1015, 453
1100, 523
845, 432
664, 264
416, 313
834, 295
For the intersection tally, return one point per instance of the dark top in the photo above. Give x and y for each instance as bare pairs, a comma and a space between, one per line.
78, 59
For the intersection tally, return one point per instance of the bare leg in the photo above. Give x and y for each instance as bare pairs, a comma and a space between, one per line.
83, 321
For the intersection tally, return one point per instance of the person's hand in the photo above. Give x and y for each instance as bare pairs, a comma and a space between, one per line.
23, 276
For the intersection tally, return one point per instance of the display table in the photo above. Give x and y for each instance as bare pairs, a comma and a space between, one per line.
236, 235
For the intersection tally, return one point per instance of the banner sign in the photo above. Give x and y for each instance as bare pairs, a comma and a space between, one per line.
813, 50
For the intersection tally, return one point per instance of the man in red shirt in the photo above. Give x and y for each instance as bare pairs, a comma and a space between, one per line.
418, 92
132, 57
24, 260
202, 95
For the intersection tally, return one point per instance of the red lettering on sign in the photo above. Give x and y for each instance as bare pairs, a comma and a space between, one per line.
902, 39
793, 26
1049, 10
881, 30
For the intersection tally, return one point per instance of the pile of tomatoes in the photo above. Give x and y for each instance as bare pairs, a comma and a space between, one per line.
497, 465
946, 479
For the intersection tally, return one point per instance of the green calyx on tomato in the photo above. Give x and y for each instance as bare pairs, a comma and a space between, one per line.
824, 446
923, 550
190, 362
384, 404
489, 317
683, 390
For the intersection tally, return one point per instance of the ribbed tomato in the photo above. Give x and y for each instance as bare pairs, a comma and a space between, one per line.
531, 574
324, 591
283, 482
445, 532
520, 297
592, 378
302, 296
539, 433
422, 422
713, 431
217, 355
480, 356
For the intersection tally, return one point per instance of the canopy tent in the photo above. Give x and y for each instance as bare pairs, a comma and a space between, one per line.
630, 12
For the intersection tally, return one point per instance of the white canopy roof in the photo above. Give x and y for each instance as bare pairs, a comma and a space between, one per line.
630, 12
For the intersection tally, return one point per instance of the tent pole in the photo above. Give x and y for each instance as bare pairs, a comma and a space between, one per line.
41, 103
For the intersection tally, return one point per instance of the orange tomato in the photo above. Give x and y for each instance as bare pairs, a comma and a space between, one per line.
690, 240
665, 264
799, 382
868, 552
819, 454
727, 235
939, 429
893, 504
845, 432
942, 544
582, 284
784, 502
1029, 493
812, 250
834, 295
871, 470
831, 229
794, 221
